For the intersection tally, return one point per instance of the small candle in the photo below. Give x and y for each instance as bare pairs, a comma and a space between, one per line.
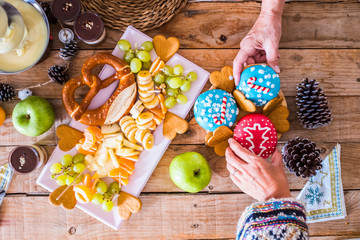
25, 159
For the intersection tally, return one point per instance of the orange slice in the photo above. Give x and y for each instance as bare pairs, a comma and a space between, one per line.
93, 187
124, 181
114, 173
87, 181
82, 194
95, 131
83, 151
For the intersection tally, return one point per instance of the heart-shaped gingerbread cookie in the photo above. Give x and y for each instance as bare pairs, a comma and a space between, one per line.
245, 104
222, 133
223, 80
68, 137
272, 105
279, 118
174, 124
165, 48
67, 200
127, 205
221, 148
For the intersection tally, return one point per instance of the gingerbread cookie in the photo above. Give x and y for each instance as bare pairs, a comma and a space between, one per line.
165, 48
223, 80
257, 133
127, 205
244, 104
215, 108
173, 125
68, 137
259, 83
67, 200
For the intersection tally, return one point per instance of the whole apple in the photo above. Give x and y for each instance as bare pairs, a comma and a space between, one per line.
33, 116
190, 171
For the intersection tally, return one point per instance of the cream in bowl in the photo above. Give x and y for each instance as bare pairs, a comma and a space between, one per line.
24, 34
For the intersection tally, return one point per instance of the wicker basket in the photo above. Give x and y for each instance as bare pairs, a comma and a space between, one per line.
141, 14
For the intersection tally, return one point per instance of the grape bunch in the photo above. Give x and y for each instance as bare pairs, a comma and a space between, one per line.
139, 59
104, 195
176, 84
68, 169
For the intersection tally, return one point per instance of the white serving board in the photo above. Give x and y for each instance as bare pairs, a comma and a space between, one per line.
148, 160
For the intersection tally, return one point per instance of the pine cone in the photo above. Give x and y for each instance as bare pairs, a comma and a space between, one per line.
69, 51
7, 92
58, 74
302, 157
313, 108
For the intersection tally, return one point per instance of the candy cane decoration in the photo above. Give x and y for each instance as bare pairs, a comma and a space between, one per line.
250, 83
222, 113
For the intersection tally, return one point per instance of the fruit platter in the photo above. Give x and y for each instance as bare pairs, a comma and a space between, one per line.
115, 152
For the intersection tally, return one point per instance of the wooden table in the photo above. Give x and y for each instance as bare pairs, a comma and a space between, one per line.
320, 40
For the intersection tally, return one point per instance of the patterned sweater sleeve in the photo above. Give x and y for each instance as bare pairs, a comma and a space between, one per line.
273, 219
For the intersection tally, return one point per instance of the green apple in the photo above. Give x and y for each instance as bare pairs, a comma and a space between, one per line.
190, 171
33, 116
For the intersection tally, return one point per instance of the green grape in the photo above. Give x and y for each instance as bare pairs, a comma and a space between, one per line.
192, 76
101, 187
144, 56
78, 158
167, 70
178, 69
69, 180
66, 160
146, 65
61, 180
128, 56
167, 79
172, 92
97, 198
79, 179
175, 82
186, 86
114, 188
135, 65
107, 206
56, 168
159, 78
79, 167
147, 46
181, 99
170, 102
124, 45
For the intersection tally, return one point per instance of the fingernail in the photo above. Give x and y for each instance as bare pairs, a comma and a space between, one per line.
277, 69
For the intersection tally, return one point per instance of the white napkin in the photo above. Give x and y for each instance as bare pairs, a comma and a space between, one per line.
323, 194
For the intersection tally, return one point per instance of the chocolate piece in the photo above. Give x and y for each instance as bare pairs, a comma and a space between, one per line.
24, 159
89, 27
66, 10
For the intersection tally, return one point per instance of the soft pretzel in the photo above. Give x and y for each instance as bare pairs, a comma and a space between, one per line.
118, 104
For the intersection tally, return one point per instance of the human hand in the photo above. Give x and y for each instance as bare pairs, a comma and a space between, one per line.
260, 45
255, 176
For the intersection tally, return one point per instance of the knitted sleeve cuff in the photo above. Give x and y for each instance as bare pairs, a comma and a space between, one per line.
273, 219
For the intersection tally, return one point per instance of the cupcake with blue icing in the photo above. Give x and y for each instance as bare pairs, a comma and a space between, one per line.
215, 108
259, 83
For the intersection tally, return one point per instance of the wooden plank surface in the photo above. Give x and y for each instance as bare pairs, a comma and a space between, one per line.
160, 181
344, 128
312, 46
338, 71
301, 27
169, 216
